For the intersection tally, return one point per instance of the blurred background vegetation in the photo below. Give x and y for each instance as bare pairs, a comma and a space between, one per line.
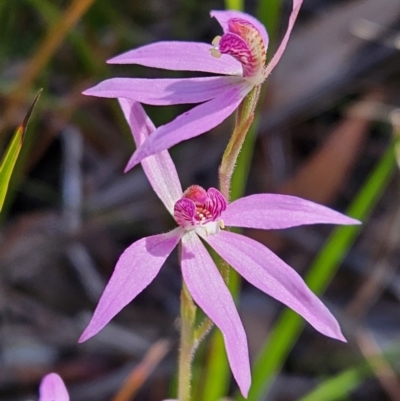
325, 131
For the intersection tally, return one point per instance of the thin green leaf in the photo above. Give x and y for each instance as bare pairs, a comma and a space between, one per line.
234, 5
239, 178
52, 15
269, 12
289, 326
12, 152
341, 385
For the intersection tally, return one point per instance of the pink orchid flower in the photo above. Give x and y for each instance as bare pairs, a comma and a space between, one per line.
238, 57
201, 216
52, 388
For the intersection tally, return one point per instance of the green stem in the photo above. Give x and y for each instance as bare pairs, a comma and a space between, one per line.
203, 329
188, 345
244, 118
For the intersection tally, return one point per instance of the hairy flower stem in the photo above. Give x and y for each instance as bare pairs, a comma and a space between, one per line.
190, 340
244, 118
188, 345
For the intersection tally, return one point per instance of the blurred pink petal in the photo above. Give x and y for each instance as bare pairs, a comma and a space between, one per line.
134, 271
180, 56
262, 268
52, 388
209, 291
164, 92
159, 168
271, 211
191, 123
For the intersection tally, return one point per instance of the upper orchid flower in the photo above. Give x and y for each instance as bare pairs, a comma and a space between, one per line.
201, 216
238, 57
52, 388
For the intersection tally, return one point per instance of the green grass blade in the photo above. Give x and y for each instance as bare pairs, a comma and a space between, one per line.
52, 15
12, 152
341, 385
239, 178
234, 5
289, 326
269, 12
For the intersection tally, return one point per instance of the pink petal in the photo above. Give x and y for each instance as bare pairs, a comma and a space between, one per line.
134, 271
277, 56
164, 92
159, 168
270, 211
52, 388
262, 268
192, 123
223, 16
180, 56
209, 291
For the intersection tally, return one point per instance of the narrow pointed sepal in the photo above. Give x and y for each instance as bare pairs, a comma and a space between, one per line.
209, 291
134, 271
262, 268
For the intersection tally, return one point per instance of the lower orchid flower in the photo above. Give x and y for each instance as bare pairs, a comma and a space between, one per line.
52, 388
201, 216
